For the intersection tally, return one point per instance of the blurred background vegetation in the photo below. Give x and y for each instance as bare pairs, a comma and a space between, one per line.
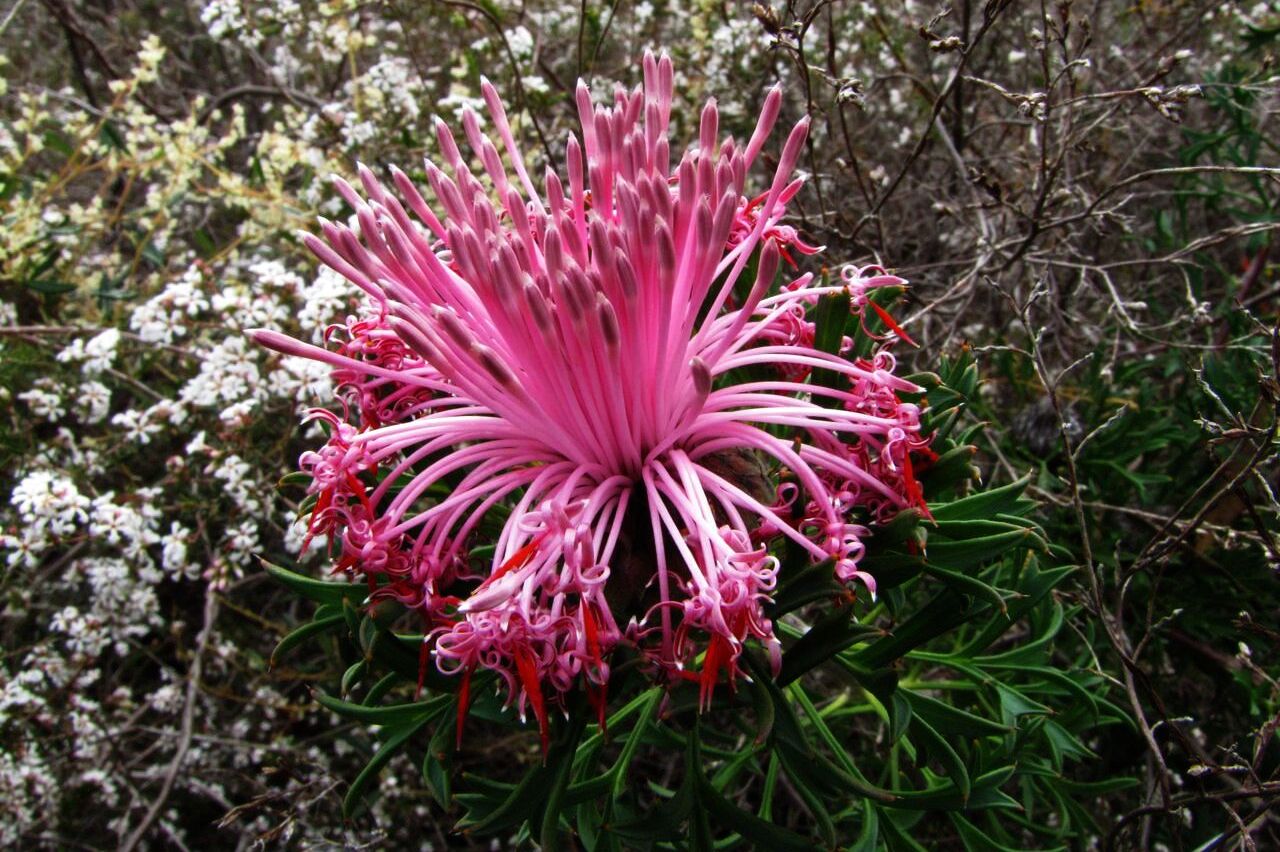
1083, 195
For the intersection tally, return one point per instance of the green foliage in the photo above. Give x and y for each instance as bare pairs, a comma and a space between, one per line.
943, 712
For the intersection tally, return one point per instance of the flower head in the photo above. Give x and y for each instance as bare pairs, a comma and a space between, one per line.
578, 374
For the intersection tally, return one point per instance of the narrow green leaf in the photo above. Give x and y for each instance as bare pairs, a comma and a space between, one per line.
649, 705
550, 834
868, 839
975, 840
968, 584
764, 834
824, 640
1097, 788
50, 287
801, 780
518, 805
390, 714
946, 797
1014, 703
380, 689
985, 504
307, 631
942, 751
316, 590
941, 615
352, 676
830, 319
1034, 585
437, 774
395, 738
956, 555
952, 721
811, 583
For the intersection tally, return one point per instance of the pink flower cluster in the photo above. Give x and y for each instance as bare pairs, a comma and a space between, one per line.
562, 371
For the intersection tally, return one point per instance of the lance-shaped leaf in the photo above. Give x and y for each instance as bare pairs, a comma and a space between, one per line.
311, 629
933, 743
952, 721
319, 591
391, 715
394, 737
985, 504
985, 793
823, 641
830, 319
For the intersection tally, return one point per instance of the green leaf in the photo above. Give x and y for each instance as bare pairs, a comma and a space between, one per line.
55, 141
666, 820
953, 467
298, 477
111, 136
353, 675
942, 751
975, 840
317, 627
799, 770
437, 774
985, 794
830, 319
965, 583
395, 737
941, 615
955, 555
900, 714
985, 504
898, 837
518, 805
868, 839
379, 690
811, 583
1063, 744
550, 834
1035, 584
824, 640
1097, 788
648, 704
390, 714
1014, 703
316, 590
952, 721
1033, 651
764, 834
589, 790
786, 725
765, 712
50, 287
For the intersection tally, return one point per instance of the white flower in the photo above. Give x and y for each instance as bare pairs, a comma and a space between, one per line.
326, 298
93, 401
50, 502
26, 547
173, 554
100, 352
242, 540
44, 401
520, 40
197, 444
136, 425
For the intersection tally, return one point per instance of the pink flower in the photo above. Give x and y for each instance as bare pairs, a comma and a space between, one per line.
562, 376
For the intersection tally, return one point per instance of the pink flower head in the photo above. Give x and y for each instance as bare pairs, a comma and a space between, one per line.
559, 371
